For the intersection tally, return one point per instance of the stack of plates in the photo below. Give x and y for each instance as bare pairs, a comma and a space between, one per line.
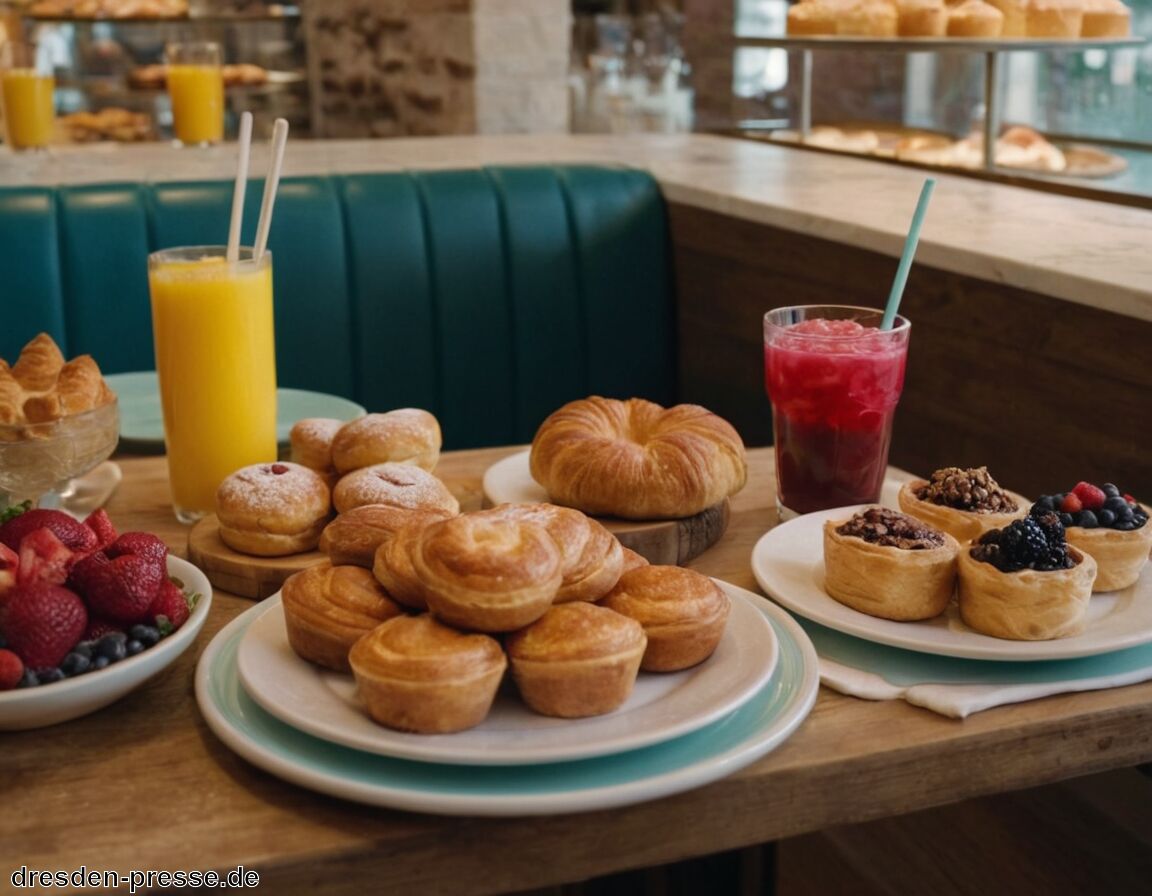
677, 731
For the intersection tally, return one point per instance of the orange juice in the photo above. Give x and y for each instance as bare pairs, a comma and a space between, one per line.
215, 359
27, 98
197, 94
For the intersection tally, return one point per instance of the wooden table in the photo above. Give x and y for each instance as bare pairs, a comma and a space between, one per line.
144, 784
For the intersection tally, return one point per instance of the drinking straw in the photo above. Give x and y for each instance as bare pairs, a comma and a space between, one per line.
906, 257
279, 140
233, 253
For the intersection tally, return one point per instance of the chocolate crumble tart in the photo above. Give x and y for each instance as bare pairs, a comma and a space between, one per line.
888, 528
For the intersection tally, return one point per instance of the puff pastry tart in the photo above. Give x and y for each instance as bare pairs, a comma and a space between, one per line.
1025, 583
329, 608
415, 674
683, 614
636, 459
591, 556
962, 502
485, 574
1120, 556
889, 564
577, 660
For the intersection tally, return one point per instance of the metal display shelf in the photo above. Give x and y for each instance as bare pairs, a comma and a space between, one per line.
991, 48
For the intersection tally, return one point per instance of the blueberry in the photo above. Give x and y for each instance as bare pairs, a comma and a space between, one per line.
133, 647
84, 648
1116, 504
1087, 519
148, 635
112, 646
1110, 491
1067, 520
50, 675
100, 662
1043, 505
28, 679
75, 663
1106, 518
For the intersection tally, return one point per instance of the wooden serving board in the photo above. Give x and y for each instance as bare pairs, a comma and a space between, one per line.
242, 574
672, 542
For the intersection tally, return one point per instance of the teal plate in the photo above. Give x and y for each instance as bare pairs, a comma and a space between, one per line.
142, 423
680, 764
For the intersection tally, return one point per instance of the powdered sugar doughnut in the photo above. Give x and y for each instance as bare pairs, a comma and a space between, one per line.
311, 441
398, 485
270, 510
406, 435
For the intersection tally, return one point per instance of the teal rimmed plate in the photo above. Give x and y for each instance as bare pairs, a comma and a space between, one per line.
713, 752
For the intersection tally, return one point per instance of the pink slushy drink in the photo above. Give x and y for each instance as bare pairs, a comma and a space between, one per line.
834, 379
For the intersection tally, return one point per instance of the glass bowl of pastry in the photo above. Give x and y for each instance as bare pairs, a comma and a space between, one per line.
57, 421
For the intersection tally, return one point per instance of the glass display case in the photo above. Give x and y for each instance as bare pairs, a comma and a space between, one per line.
107, 57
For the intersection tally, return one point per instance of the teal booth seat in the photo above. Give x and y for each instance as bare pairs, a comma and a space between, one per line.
488, 296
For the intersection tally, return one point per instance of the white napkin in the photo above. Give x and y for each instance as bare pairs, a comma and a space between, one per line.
961, 700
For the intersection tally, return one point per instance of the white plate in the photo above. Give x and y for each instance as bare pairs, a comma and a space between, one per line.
713, 752
788, 562
509, 481
48, 704
142, 421
661, 706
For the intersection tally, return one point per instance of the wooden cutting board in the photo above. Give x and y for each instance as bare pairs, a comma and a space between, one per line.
242, 574
672, 542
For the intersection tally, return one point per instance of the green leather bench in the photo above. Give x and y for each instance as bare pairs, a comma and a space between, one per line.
488, 296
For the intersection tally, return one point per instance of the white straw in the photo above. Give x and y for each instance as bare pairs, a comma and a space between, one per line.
279, 140
245, 151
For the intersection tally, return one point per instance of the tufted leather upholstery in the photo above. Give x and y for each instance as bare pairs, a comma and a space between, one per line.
489, 296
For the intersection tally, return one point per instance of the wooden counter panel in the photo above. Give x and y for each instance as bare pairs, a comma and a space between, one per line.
1043, 391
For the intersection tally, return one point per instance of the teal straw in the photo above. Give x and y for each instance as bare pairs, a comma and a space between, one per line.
906, 257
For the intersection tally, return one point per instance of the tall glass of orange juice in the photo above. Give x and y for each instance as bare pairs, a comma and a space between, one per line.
26, 97
196, 89
215, 359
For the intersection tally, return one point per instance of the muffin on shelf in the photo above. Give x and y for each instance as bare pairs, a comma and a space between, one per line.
975, 18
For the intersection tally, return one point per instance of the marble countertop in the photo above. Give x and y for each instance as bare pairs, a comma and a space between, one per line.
1086, 251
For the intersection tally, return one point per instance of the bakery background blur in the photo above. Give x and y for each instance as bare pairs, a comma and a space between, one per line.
386, 68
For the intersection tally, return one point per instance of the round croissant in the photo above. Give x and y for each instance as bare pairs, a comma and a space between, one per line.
636, 459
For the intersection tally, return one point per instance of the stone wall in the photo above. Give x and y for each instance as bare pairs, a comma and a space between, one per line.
388, 68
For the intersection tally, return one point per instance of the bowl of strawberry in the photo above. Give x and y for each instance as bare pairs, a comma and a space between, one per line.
87, 614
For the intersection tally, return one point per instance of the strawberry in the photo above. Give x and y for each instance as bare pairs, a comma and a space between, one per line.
1091, 497
98, 627
74, 534
143, 544
171, 604
9, 565
122, 589
101, 525
42, 622
44, 558
1071, 503
11, 670
79, 576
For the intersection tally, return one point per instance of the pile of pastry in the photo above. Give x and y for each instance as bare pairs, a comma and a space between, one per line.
41, 387
429, 608
109, 9
380, 459
155, 77
1043, 19
450, 603
1019, 570
110, 123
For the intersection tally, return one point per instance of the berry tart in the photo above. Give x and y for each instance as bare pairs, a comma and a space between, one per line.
1110, 525
964, 503
889, 564
1025, 582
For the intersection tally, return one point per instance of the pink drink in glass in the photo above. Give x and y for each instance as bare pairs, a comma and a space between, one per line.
834, 379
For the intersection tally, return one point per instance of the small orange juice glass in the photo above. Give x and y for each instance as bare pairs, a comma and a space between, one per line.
26, 96
196, 89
